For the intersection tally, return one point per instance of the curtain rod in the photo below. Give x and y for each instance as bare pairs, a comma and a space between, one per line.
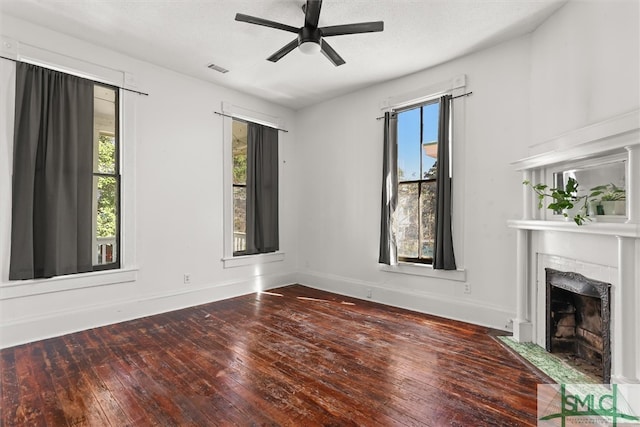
119, 87
453, 97
240, 118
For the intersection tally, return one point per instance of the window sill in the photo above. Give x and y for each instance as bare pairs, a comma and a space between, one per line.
426, 271
25, 288
243, 260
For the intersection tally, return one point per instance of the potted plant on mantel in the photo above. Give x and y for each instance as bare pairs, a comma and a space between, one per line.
564, 200
611, 199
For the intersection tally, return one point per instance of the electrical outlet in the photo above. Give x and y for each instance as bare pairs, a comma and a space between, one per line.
369, 293
509, 325
187, 278
467, 288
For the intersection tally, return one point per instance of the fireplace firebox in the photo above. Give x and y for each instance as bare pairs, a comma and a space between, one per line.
578, 320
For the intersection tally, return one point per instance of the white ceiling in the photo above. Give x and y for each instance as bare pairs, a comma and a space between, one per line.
187, 35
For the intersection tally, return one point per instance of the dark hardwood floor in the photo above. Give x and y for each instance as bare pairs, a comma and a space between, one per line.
293, 356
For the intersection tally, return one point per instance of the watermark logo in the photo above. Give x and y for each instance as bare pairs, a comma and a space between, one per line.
588, 404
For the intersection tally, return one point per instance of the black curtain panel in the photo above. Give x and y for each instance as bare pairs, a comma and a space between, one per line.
262, 189
52, 174
443, 256
388, 250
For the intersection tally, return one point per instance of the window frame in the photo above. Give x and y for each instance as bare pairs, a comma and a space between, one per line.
420, 182
455, 86
232, 112
117, 175
127, 270
234, 186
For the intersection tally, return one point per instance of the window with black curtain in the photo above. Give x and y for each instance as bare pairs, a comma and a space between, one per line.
255, 188
416, 187
66, 175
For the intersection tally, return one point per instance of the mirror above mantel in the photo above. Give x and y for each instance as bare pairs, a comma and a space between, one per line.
604, 155
603, 182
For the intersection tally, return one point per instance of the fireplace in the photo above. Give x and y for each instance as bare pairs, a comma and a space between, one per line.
578, 321
606, 249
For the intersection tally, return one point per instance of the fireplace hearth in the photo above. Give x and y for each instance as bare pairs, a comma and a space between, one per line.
578, 321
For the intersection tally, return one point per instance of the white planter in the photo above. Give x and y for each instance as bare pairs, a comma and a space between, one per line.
617, 207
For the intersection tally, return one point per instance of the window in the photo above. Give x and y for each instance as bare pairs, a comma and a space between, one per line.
66, 175
417, 221
417, 140
106, 179
255, 188
251, 181
239, 150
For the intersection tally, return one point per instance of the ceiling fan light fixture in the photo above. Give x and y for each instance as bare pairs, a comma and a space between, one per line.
310, 47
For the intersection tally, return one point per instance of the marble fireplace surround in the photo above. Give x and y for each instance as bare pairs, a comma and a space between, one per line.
600, 250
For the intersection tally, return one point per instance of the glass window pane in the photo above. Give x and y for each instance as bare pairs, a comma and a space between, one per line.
239, 219
239, 147
104, 123
427, 218
409, 145
430, 113
106, 218
239, 152
406, 218
106, 154
106, 185
430, 119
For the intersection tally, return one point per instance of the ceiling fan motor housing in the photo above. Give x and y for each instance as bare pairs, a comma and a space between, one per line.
309, 35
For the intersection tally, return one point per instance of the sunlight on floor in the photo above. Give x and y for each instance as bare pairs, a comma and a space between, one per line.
312, 299
269, 293
324, 300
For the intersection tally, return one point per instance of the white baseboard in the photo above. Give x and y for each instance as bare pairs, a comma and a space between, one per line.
436, 305
71, 320
35, 328
621, 379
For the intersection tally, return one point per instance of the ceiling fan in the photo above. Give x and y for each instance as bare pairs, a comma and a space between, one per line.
311, 38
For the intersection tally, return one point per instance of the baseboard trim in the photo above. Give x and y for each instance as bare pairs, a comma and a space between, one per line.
36, 328
436, 305
621, 379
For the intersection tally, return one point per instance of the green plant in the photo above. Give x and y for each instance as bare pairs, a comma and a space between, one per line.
563, 199
608, 193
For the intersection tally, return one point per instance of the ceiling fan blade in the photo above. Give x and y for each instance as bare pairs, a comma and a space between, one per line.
312, 13
331, 54
265, 23
282, 52
362, 27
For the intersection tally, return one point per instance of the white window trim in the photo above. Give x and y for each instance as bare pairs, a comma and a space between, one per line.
228, 260
455, 86
128, 268
425, 270
25, 288
243, 260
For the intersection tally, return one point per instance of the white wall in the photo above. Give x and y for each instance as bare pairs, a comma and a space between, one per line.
178, 210
577, 68
585, 66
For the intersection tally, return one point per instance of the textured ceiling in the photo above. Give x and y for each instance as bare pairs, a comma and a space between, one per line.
186, 35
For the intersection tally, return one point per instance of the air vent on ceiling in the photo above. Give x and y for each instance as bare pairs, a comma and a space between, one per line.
217, 68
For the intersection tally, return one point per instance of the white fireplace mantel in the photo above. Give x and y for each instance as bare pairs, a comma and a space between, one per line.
541, 237
594, 228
